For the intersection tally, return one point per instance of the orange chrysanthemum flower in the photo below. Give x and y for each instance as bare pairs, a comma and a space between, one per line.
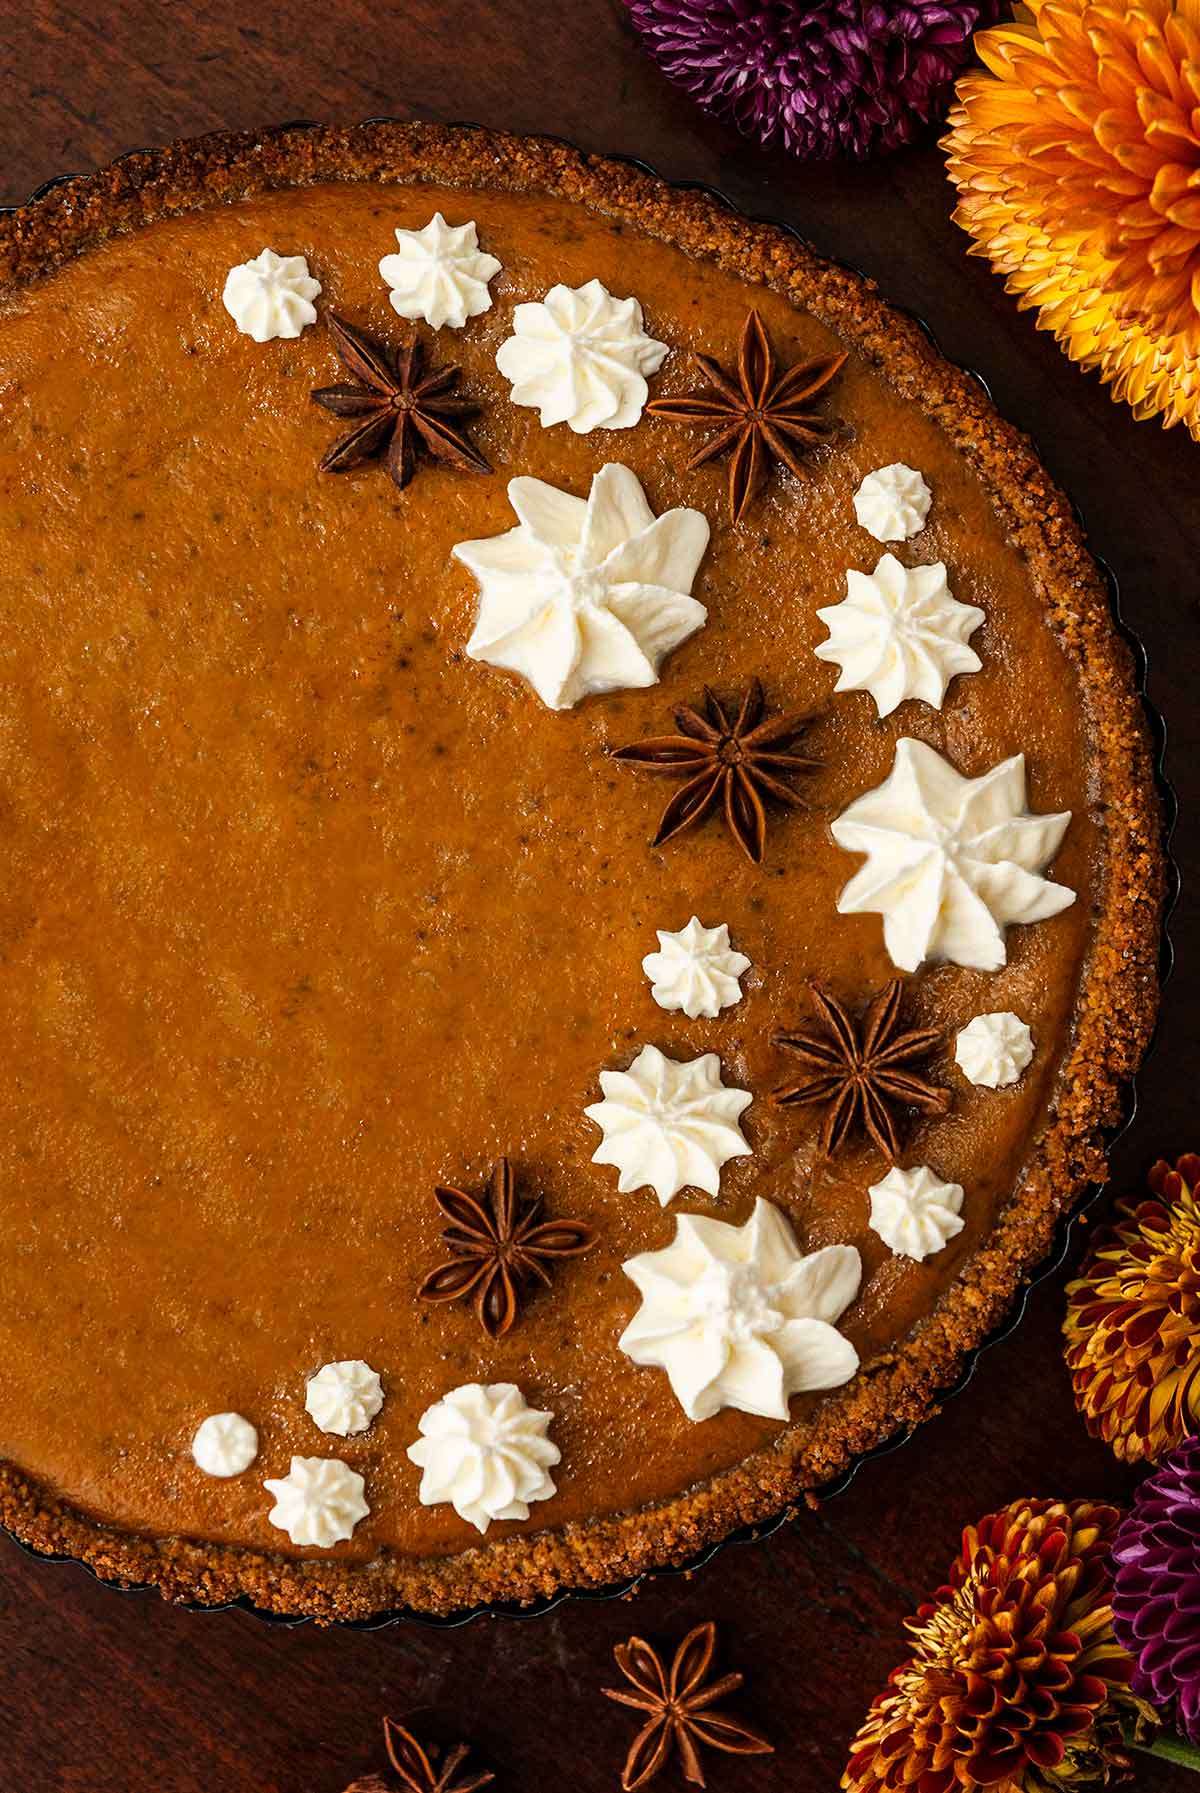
1133, 1320
1077, 161
1016, 1682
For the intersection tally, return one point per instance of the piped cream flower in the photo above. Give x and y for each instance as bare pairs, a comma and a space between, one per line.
899, 632
914, 1212
485, 1452
668, 1124
993, 1050
893, 502
271, 296
740, 1316
581, 357
343, 1398
586, 596
319, 1501
950, 861
695, 970
439, 273
225, 1444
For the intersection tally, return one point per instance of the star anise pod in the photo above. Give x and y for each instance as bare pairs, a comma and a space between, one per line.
498, 1246
762, 414
680, 1704
740, 761
405, 409
861, 1071
420, 1768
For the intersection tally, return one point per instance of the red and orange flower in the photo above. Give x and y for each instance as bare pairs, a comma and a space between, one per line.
1132, 1325
1016, 1682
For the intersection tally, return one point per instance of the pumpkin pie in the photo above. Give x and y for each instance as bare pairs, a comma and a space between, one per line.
581, 875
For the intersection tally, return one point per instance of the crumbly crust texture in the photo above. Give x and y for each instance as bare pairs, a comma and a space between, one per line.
1117, 1004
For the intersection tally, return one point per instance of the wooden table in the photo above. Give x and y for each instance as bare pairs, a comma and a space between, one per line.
103, 1693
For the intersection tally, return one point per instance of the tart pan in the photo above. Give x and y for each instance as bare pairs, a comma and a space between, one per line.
1060, 1247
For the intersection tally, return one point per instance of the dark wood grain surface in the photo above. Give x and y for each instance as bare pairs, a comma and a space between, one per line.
109, 1693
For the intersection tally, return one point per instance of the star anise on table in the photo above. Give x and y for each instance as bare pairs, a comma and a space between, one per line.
680, 1705
740, 758
861, 1071
499, 1244
421, 1768
762, 414
402, 408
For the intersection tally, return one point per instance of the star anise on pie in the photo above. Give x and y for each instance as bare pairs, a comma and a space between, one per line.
680, 1705
762, 414
402, 408
740, 758
861, 1071
421, 1768
499, 1245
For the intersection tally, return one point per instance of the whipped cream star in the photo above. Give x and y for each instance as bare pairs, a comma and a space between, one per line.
951, 861
439, 273
343, 1398
586, 596
899, 632
319, 1501
485, 1452
581, 357
695, 970
993, 1050
271, 296
893, 502
740, 1316
225, 1444
668, 1124
914, 1212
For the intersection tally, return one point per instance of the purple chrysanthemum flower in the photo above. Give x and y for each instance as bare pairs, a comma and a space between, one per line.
834, 77
1156, 1597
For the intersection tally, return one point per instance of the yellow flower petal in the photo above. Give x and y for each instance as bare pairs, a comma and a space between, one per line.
1076, 155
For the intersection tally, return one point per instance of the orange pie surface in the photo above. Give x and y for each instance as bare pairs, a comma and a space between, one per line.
304, 912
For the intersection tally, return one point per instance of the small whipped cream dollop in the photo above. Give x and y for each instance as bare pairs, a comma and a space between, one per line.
225, 1444
893, 502
899, 632
914, 1212
439, 273
668, 1124
586, 596
271, 296
319, 1501
695, 970
485, 1452
993, 1050
951, 861
739, 1316
581, 357
343, 1398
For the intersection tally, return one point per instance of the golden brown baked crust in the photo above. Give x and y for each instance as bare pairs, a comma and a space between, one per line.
1117, 1008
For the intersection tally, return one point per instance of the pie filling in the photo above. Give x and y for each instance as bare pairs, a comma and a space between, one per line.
545, 894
